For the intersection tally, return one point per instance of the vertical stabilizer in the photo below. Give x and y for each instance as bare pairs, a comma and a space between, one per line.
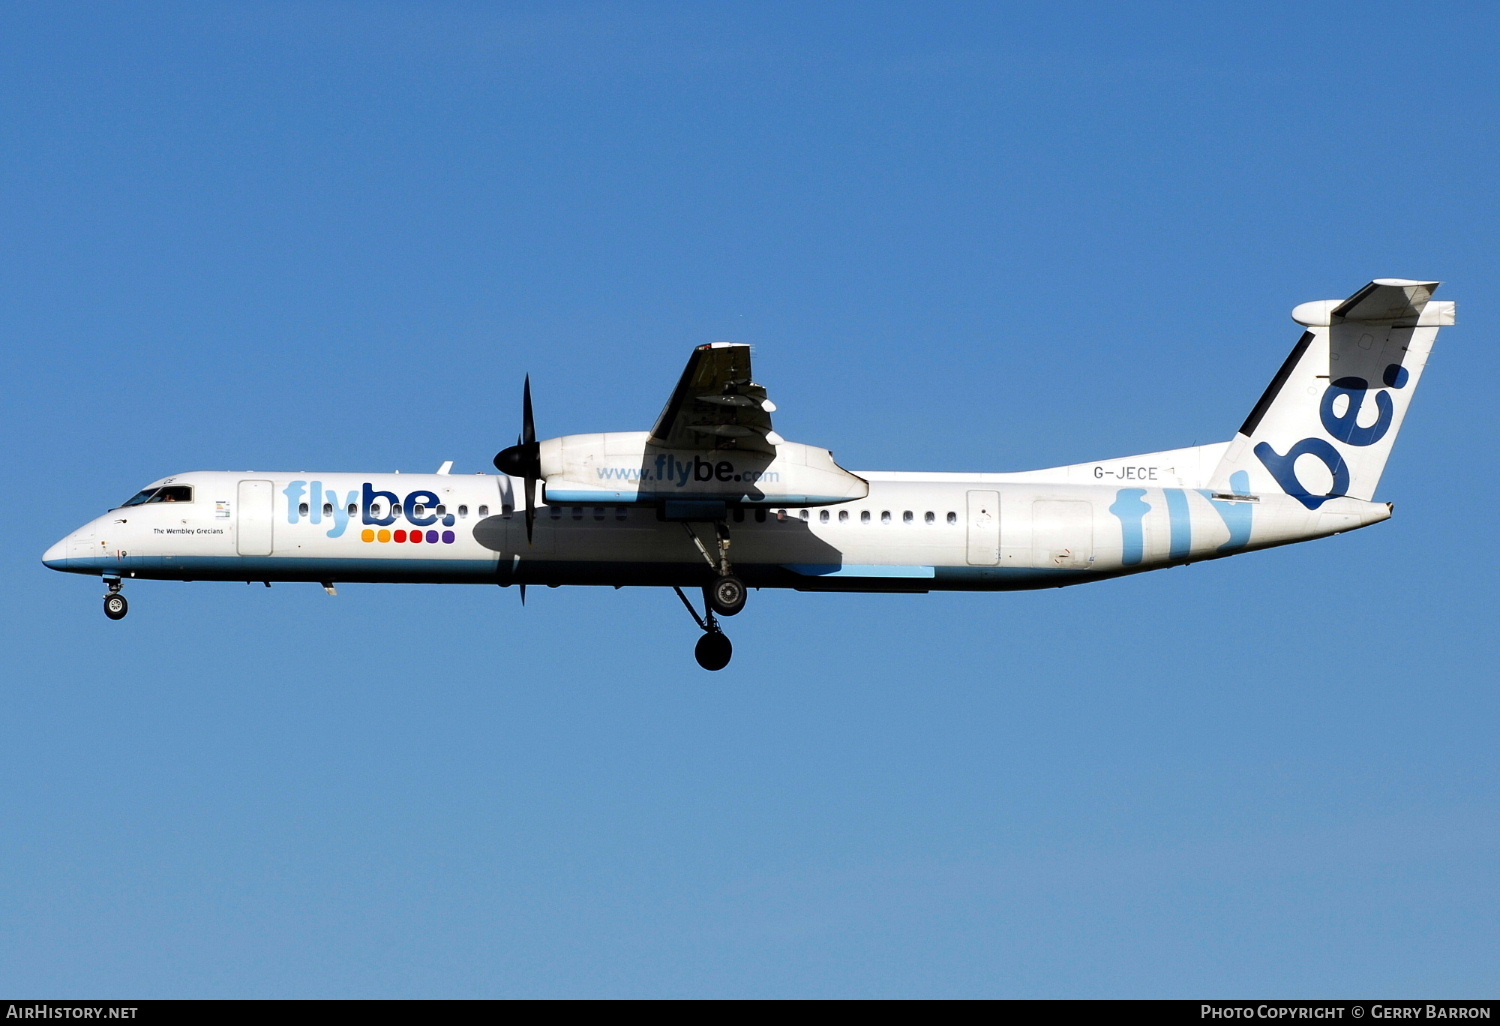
1326, 424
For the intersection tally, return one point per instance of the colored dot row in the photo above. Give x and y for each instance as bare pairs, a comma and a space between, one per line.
431, 537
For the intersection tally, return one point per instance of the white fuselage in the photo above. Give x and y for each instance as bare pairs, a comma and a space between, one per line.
912, 532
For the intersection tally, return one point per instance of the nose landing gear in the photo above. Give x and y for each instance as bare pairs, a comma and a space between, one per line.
115, 606
713, 649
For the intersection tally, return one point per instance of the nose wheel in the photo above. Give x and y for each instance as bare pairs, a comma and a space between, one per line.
115, 606
713, 649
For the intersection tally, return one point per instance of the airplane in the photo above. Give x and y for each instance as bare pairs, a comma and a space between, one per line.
713, 498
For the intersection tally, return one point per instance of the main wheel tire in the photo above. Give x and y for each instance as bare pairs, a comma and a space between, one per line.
115, 607
727, 596
713, 651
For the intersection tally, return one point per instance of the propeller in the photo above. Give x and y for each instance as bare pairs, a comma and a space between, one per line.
524, 459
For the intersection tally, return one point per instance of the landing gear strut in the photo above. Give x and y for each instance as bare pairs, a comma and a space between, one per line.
115, 606
713, 649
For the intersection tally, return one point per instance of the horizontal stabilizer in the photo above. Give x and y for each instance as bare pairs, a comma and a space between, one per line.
1387, 301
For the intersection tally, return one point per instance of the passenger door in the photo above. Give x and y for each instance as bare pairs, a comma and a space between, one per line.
256, 518
984, 528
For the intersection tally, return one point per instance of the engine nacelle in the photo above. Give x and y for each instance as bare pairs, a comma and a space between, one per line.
621, 467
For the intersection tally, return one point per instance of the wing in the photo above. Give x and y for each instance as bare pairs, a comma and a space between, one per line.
717, 406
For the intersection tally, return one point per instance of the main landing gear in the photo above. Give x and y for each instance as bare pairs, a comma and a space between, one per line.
115, 606
713, 649
726, 596
728, 593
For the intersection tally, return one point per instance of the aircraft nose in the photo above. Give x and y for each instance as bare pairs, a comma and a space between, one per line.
56, 557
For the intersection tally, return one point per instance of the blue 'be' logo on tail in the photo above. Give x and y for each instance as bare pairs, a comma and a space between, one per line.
1343, 428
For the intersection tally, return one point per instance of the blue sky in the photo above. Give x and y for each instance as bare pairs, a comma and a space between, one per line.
961, 237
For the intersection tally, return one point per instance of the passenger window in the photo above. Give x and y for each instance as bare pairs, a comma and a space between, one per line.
463, 511
620, 513
395, 509
418, 510
907, 517
441, 510
598, 512
843, 515
328, 509
375, 509
739, 515
555, 512
803, 514
577, 512
302, 508
864, 516
484, 511
885, 516
781, 514
929, 517
353, 510
952, 517
760, 516
823, 516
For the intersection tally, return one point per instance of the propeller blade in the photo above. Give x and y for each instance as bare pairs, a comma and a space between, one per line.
528, 434
524, 459
528, 424
530, 508
523, 595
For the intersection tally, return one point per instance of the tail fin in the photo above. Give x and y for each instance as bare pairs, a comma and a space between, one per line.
1327, 422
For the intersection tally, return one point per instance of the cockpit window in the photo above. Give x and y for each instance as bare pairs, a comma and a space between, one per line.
138, 498
166, 493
